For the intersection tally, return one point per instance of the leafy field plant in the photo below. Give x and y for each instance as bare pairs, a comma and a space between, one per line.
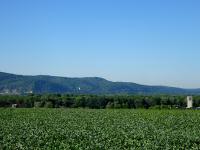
99, 129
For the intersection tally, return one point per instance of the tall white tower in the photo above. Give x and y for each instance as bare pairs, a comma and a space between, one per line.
189, 102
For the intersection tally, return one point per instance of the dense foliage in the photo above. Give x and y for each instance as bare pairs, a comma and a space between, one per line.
99, 129
18, 84
95, 101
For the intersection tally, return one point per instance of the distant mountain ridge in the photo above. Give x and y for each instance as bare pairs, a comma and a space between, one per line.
20, 84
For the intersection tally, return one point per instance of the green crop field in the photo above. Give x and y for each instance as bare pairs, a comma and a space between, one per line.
99, 129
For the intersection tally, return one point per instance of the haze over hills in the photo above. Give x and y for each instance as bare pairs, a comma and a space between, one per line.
20, 84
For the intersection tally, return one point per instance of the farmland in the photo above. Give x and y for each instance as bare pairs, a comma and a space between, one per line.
99, 129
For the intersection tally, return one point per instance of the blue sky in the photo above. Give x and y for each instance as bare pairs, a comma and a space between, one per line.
153, 42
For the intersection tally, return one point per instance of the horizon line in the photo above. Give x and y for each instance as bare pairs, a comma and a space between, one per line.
99, 78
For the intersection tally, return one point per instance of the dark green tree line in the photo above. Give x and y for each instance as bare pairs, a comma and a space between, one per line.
96, 101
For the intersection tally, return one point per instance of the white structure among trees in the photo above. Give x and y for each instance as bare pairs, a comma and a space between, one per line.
189, 102
14, 105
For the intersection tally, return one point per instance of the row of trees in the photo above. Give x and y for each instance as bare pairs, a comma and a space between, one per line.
95, 101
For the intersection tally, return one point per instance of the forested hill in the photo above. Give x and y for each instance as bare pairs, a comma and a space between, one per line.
19, 84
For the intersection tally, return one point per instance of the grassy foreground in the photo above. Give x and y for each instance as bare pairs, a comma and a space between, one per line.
99, 129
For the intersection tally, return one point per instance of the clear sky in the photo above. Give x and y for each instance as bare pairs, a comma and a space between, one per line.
154, 42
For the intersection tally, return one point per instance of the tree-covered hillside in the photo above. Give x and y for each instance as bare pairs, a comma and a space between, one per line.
18, 84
